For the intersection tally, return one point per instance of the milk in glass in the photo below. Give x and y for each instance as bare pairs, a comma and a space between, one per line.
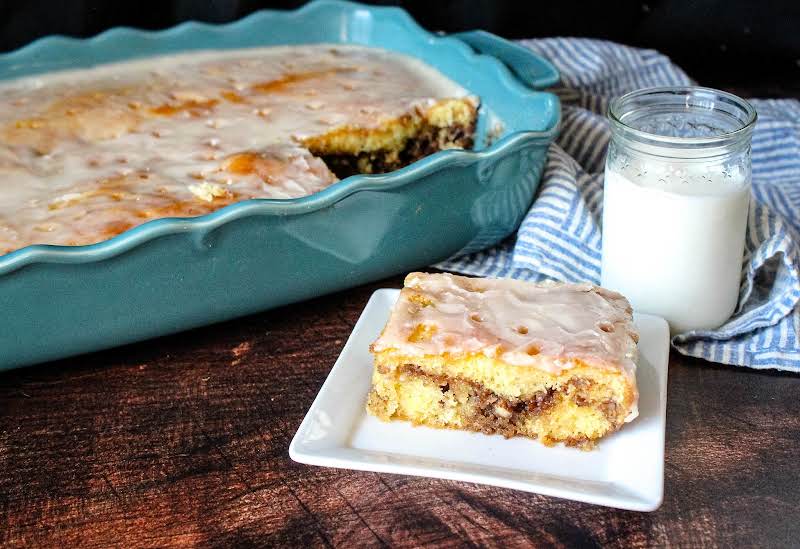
676, 200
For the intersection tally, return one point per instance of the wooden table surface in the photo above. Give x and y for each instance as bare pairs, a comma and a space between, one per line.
183, 440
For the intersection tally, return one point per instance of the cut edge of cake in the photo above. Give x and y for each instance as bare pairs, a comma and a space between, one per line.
397, 142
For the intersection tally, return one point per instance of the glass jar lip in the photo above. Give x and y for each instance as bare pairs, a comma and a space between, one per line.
746, 128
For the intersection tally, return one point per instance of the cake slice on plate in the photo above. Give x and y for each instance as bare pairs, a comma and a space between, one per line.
549, 361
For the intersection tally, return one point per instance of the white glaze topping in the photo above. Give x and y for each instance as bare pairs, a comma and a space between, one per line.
534, 325
86, 154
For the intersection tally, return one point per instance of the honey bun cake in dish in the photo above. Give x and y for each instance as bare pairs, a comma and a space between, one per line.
87, 154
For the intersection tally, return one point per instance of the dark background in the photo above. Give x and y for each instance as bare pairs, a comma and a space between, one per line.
722, 43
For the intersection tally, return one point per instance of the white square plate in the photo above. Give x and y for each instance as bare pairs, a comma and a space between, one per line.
626, 470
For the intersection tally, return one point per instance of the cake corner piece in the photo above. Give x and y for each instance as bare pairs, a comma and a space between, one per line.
554, 362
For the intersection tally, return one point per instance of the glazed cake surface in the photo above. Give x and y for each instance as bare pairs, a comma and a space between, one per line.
87, 154
549, 361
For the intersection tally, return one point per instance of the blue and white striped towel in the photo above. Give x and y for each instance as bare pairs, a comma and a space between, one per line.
560, 236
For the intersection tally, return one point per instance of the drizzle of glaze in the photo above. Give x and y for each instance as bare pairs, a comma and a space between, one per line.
546, 326
283, 83
195, 107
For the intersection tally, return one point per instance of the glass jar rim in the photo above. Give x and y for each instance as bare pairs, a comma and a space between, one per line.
616, 114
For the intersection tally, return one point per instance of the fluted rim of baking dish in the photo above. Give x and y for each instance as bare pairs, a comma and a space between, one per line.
44, 47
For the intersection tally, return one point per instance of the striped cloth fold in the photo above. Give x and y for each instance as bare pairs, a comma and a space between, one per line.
560, 236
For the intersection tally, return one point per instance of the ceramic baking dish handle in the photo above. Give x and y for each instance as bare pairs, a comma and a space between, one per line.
533, 70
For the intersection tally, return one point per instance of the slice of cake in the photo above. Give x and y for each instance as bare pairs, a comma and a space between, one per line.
549, 361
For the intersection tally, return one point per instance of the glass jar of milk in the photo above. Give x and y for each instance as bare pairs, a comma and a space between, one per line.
676, 199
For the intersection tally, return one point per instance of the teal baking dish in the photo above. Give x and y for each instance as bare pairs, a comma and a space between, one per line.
174, 274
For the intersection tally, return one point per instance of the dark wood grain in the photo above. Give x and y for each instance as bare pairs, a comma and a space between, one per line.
183, 440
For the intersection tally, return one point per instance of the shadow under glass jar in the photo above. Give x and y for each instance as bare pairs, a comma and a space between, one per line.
676, 200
